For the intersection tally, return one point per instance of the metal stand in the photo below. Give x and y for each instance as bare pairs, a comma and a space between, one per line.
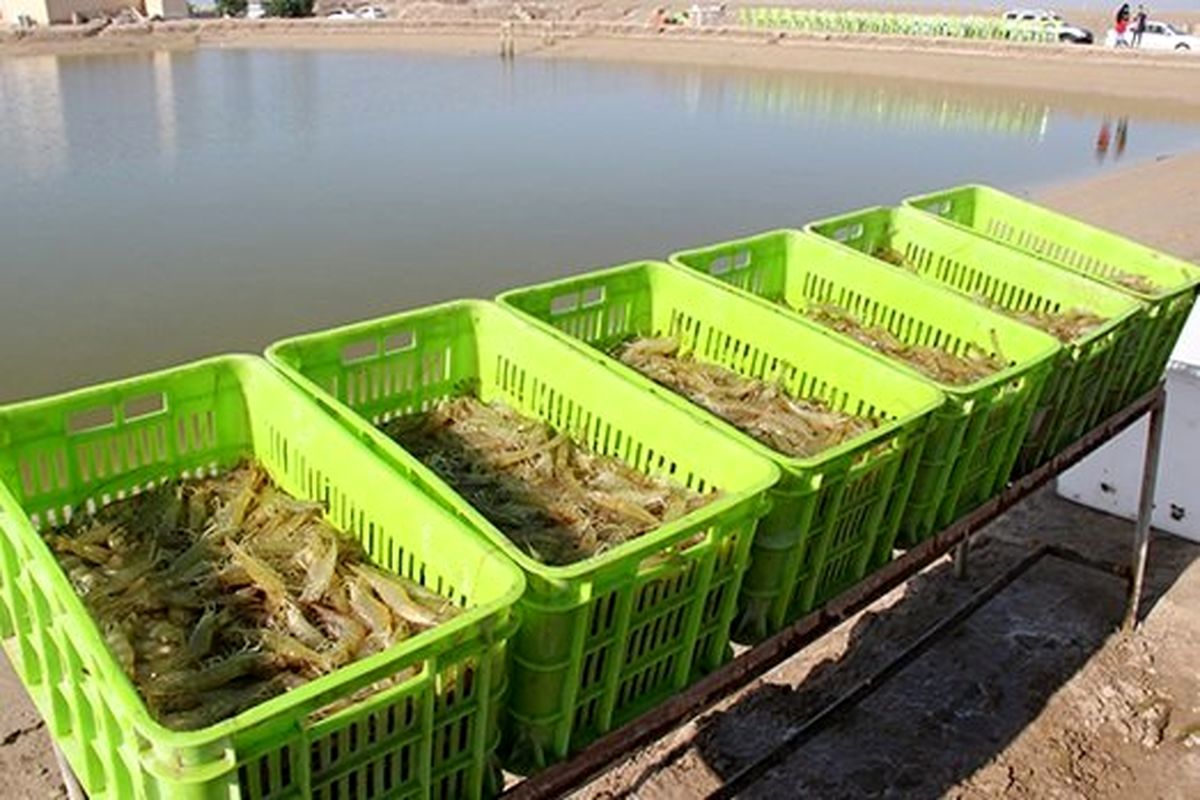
960, 558
1141, 534
561, 779
74, 790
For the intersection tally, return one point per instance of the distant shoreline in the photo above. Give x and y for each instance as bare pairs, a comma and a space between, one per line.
1166, 80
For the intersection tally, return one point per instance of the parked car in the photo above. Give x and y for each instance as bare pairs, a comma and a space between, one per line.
1158, 36
255, 11
371, 12
341, 14
1040, 17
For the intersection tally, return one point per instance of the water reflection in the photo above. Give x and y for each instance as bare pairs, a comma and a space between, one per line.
1105, 139
33, 133
913, 108
164, 106
51, 115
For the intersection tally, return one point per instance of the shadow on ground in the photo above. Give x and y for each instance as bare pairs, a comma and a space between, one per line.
950, 712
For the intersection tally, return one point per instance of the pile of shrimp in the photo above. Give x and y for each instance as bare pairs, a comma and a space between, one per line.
555, 500
1137, 283
1066, 326
792, 426
216, 594
972, 365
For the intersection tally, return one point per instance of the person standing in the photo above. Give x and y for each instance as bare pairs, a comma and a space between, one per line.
1139, 26
1122, 23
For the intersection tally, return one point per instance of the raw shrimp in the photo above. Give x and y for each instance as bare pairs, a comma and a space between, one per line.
793, 426
1138, 283
558, 502
1066, 325
215, 594
973, 364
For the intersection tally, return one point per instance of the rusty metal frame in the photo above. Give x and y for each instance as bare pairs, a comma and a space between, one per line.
560, 779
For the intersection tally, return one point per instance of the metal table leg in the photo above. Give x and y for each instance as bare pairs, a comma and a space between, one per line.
960, 557
74, 790
1141, 535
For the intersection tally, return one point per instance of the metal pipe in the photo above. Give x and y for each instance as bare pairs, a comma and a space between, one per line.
1141, 533
559, 779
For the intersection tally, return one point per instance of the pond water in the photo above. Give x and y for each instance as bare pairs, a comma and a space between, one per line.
159, 207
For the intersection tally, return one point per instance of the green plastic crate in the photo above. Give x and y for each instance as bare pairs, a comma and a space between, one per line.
432, 736
830, 511
1089, 370
976, 434
605, 639
1082, 248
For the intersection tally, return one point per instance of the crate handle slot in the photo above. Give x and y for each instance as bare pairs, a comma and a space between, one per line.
593, 296
564, 303
848, 233
741, 259
148, 405
399, 342
719, 266
362, 350
93, 419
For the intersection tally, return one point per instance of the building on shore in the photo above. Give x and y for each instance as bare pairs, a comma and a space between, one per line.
48, 12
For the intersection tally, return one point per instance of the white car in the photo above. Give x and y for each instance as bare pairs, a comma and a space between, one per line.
255, 11
371, 12
341, 14
1040, 17
1158, 36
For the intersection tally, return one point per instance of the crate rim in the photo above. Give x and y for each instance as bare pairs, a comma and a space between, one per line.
415, 648
1167, 292
954, 390
1135, 305
632, 551
861, 442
